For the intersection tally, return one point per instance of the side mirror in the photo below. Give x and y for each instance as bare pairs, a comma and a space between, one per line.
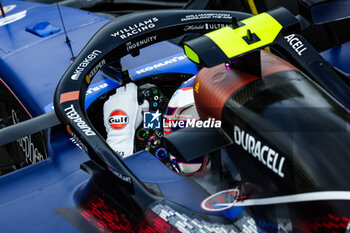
325, 11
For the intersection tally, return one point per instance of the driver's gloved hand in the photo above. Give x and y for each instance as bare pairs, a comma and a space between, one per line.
122, 115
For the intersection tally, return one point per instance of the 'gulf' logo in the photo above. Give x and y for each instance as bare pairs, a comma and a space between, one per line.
118, 119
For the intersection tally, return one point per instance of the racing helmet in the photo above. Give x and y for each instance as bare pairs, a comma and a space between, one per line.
181, 109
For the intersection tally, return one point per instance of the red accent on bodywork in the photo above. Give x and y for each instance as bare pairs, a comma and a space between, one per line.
101, 215
69, 96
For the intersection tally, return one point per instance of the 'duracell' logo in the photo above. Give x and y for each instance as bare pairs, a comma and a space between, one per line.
118, 119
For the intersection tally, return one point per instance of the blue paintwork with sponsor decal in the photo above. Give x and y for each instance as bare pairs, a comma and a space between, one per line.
171, 64
32, 66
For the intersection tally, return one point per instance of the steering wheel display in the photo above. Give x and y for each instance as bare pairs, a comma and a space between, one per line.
125, 35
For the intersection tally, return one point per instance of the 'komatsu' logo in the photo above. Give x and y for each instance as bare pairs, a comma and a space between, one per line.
263, 153
161, 64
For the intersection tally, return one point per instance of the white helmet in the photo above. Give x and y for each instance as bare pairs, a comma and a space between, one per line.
182, 108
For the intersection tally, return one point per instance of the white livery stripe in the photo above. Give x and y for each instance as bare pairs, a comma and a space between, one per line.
303, 197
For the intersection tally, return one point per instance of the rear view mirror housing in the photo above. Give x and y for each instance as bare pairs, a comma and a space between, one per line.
324, 11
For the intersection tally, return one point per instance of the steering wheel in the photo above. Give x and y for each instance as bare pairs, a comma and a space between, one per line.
126, 34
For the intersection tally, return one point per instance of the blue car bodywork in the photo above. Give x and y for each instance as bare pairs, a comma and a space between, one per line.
30, 67
339, 57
